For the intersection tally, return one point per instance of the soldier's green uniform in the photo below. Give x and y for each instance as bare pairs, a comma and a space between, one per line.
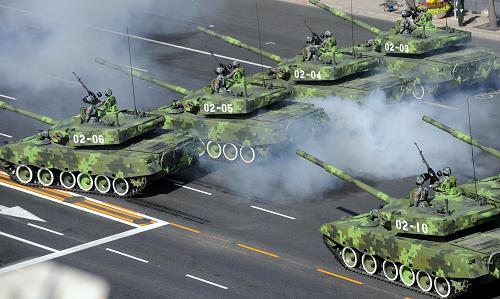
329, 45
425, 19
421, 194
448, 185
237, 75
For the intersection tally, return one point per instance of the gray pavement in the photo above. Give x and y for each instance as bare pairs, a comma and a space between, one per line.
203, 242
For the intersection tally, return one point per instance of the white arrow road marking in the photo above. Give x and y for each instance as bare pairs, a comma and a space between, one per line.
206, 281
19, 213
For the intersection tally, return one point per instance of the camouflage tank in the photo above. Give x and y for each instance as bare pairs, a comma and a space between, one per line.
247, 122
442, 248
336, 73
436, 58
118, 155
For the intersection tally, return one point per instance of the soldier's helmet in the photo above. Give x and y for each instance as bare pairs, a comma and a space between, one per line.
328, 33
420, 180
447, 171
108, 92
219, 70
406, 14
236, 64
309, 39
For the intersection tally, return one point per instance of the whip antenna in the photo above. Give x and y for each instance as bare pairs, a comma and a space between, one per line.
260, 44
472, 151
131, 74
352, 30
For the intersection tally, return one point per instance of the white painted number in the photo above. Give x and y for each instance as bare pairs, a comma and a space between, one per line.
419, 227
212, 108
402, 48
300, 74
81, 139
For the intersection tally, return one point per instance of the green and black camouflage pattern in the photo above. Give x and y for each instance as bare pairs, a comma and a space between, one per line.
127, 144
338, 74
456, 237
260, 120
436, 57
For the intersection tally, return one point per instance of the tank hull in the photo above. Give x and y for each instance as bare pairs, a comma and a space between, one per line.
278, 126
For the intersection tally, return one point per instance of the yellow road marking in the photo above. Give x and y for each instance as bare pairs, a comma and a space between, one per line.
186, 228
340, 276
118, 207
258, 250
57, 192
4, 176
104, 212
32, 190
113, 209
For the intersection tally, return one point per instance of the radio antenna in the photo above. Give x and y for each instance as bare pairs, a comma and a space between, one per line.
131, 74
472, 151
260, 43
352, 30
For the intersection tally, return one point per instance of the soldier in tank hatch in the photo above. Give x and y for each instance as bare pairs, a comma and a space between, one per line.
311, 51
406, 25
219, 84
421, 194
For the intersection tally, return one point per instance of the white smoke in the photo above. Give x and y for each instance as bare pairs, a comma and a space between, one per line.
374, 140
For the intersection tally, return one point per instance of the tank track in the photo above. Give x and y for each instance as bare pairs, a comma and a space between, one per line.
133, 193
379, 276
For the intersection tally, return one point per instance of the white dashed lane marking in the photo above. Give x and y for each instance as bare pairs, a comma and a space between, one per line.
272, 212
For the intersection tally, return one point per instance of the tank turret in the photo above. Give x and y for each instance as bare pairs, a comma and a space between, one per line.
415, 41
329, 66
443, 247
344, 176
42, 118
239, 98
462, 136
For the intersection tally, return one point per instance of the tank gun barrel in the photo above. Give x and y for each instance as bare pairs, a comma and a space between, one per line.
344, 176
462, 136
142, 76
345, 16
235, 42
39, 117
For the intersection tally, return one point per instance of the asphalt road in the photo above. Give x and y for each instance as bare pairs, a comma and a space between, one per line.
214, 226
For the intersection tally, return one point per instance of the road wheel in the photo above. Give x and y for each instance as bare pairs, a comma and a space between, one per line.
407, 275
442, 287
102, 184
418, 91
202, 149
369, 263
230, 151
214, 149
67, 179
424, 281
350, 257
247, 154
24, 174
85, 181
121, 186
390, 270
45, 177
